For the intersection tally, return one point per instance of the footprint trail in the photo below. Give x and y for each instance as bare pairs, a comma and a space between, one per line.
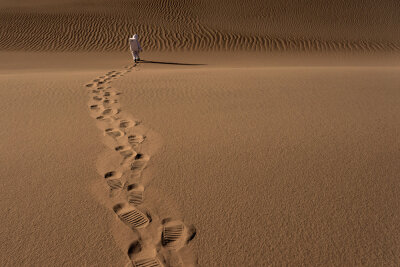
159, 242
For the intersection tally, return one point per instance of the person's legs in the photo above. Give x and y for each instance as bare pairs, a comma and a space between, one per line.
135, 56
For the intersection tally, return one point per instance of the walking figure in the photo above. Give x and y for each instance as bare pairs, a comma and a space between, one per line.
135, 47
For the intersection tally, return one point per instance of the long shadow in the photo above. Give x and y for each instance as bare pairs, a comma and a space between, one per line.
170, 63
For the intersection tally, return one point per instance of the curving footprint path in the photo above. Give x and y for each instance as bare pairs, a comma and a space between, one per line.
159, 242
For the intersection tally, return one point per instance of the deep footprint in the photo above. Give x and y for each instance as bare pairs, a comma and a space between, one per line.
114, 180
114, 133
111, 111
127, 153
152, 262
175, 234
147, 258
136, 139
139, 162
106, 119
135, 194
125, 124
131, 216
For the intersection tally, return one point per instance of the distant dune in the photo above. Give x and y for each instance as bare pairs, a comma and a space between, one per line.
203, 25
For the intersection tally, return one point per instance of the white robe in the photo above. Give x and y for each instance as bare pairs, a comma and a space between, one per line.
134, 44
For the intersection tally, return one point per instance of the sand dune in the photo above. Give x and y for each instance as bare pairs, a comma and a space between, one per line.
267, 130
362, 26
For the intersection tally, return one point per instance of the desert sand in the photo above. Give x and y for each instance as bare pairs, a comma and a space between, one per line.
253, 133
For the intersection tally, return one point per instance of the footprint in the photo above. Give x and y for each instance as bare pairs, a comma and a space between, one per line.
114, 133
143, 257
105, 119
135, 194
114, 180
122, 148
175, 234
135, 248
110, 101
139, 162
110, 94
96, 98
152, 262
134, 140
89, 85
126, 152
131, 216
94, 107
110, 111
125, 124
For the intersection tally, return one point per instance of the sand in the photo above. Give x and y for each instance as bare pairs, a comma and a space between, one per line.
193, 25
289, 166
252, 134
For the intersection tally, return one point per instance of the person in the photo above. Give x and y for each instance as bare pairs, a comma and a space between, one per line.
135, 47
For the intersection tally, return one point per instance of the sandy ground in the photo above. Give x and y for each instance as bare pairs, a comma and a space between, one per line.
254, 133
274, 165
277, 166
47, 158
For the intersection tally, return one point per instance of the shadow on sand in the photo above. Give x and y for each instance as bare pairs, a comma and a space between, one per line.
170, 63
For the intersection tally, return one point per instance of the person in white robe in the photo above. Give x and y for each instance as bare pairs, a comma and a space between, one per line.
135, 47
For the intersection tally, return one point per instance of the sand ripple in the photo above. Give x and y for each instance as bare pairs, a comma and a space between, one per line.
199, 25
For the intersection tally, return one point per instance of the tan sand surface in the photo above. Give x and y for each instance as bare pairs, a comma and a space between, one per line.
255, 25
277, 166
47, 160
274, 165
266, 131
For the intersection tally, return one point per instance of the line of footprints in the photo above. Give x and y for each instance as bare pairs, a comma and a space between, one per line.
127, 135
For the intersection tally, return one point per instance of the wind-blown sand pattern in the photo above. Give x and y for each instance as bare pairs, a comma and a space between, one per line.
161, 244
353, 26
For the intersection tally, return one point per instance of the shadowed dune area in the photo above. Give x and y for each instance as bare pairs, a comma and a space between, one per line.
251, 133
